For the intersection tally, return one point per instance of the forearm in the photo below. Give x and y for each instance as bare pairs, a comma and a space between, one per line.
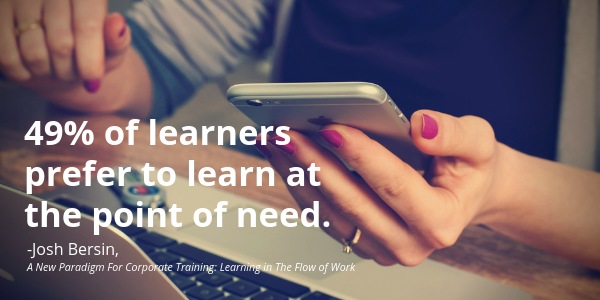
551, 206
125, 90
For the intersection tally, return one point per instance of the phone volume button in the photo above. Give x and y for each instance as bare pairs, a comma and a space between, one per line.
401, 116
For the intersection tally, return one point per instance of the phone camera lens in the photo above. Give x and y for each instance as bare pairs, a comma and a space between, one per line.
254, 102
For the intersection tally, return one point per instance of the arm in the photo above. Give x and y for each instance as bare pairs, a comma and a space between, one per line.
472, 179
185, 44
551, 206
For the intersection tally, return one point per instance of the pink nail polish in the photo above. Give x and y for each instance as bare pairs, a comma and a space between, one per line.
332, 137
288, 148
91, 86
430, 127
264, 150
122, 32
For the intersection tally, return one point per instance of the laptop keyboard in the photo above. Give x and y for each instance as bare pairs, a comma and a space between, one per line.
232, 285
197, 285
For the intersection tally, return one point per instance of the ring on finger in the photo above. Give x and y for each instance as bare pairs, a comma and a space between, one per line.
26, 26
349, 244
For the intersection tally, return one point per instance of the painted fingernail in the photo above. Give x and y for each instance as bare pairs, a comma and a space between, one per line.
288, 148
122, 32
332, 137
264, 150
430, 127
91, 86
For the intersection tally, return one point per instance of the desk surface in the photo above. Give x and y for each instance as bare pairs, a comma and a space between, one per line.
478, 250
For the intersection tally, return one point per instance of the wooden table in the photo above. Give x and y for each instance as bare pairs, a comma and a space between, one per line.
478, 250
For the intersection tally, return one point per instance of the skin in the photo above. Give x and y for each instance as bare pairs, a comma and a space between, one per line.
472, 179
403, 215
79, 43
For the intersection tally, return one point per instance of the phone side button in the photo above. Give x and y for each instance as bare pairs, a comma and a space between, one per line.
401, 116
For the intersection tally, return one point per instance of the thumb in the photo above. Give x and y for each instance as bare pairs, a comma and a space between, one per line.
470, 138
117, 37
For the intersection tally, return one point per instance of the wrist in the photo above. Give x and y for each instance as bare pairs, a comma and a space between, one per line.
501, 199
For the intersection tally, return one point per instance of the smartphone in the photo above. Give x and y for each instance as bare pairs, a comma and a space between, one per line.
306, 107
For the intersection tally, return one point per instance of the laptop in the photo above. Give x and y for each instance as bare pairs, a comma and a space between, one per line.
238, 249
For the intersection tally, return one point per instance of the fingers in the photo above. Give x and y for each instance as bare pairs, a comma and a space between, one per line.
88, 22
116, 34
59, 37
392, 202
10, 58
469, 138
118, 40
338, 226
429, 212
395, 182
69, 44
355, 200
32, 42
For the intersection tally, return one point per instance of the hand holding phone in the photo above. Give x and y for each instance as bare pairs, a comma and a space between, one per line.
306, 107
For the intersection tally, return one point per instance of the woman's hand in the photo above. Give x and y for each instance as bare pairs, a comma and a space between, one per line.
403, 215
62, 49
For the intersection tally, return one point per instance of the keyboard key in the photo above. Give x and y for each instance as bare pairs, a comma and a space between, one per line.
147, 248
204, 292
232, 297
157, 240
181, 282
319, 296
132, 230
196, 254
269, 295
161, 258
269, 281
214, 279
187, 268
241, 288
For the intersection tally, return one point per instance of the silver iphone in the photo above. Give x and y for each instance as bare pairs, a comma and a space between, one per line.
306, 107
